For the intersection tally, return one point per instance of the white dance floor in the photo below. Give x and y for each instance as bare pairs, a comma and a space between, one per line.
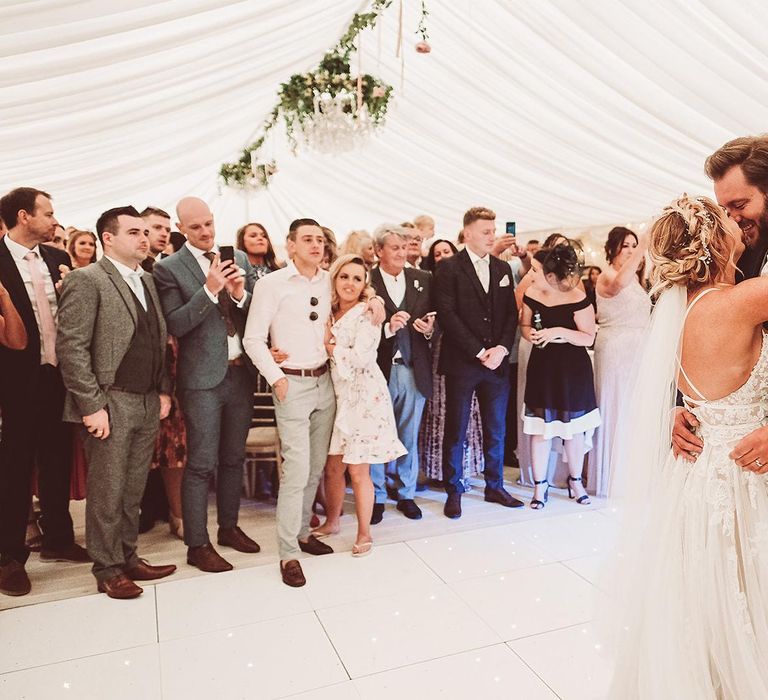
495, 605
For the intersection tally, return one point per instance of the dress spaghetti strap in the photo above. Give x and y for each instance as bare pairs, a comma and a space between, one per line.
702, 398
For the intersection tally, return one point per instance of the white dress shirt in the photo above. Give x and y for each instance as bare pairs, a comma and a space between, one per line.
234, 345
395, 287
18, 252
129, 276
280, 311
482, 268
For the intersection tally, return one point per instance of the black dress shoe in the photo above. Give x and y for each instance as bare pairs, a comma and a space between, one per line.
315, 546
503, 498
378, 513
452, 507
72, 552
14, 579
409, 509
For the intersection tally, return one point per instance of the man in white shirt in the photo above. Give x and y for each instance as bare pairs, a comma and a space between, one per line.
205, 302
111, 345
291, 308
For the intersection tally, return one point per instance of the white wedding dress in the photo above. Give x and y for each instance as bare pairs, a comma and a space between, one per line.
697, 627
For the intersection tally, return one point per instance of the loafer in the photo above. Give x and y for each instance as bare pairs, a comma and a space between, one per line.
234, 537
292, 574
409, 509
377, 514
452, 507
144, 571
314, 546
72, 552
13, 579
503, 498
206, 558
120, 587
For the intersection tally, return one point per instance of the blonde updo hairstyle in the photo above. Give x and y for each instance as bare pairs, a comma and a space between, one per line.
689, 245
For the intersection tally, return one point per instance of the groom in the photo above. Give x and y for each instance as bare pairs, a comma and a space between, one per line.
739, 170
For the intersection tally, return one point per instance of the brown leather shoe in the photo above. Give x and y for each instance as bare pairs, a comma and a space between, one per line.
292, 573
72, 552
452, 507
206, 558
120, 587
14, 579
234, 537
144, 571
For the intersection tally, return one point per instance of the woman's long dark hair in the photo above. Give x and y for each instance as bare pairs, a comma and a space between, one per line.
429, 261
270, 259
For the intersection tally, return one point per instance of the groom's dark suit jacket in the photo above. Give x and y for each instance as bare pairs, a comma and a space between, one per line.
472, 319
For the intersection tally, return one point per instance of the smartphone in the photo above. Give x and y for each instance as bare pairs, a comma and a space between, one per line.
226, 252
510, 228
428, 315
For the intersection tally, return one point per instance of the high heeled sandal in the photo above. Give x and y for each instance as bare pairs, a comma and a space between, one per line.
536, 504
582, 500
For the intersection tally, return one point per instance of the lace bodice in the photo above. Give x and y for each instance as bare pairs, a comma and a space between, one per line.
630, 308
741, 411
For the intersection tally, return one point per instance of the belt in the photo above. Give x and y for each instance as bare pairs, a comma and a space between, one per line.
317, 372
237, 362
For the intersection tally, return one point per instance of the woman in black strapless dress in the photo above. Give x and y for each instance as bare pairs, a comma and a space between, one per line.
558, 318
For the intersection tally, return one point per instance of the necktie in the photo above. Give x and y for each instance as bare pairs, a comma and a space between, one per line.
43, 304
225, 303
138, 288
484, 273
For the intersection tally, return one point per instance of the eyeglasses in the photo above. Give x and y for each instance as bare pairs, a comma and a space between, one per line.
313, 302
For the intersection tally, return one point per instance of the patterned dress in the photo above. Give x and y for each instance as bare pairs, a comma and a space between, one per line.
364, 431
433, 428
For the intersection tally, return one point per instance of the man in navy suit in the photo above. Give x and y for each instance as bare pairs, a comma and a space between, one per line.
205, 302
32, 393
475, 300
405, 359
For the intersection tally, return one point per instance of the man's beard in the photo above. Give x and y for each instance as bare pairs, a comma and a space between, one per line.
761, 224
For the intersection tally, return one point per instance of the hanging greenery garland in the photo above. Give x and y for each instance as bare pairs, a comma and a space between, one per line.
325, 106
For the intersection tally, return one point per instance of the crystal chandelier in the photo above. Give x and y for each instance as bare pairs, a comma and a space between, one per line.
337, 125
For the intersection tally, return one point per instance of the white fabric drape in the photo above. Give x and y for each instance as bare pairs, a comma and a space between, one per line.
557, 114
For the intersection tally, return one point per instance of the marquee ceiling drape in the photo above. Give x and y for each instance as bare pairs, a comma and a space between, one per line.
560, 115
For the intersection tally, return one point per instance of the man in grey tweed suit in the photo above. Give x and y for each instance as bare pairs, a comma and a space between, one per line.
111, 348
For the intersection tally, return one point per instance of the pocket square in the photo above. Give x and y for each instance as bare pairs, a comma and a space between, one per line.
504, 281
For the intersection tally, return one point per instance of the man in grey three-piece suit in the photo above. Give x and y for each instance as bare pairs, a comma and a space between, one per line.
205, 300
111, 349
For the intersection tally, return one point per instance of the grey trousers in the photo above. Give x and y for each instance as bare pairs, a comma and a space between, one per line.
305, 422
217, 421
117, 475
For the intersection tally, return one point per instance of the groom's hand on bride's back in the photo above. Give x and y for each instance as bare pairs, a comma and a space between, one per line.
685, 443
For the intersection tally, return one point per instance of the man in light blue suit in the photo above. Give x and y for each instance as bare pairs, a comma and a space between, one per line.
205, 301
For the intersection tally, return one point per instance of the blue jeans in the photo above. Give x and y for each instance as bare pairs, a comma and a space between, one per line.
408, 405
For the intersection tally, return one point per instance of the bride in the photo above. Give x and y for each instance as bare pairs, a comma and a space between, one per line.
696, 590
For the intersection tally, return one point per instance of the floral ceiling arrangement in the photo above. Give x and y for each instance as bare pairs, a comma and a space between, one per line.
330, 109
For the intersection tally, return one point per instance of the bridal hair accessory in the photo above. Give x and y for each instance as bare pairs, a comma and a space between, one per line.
693, 211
